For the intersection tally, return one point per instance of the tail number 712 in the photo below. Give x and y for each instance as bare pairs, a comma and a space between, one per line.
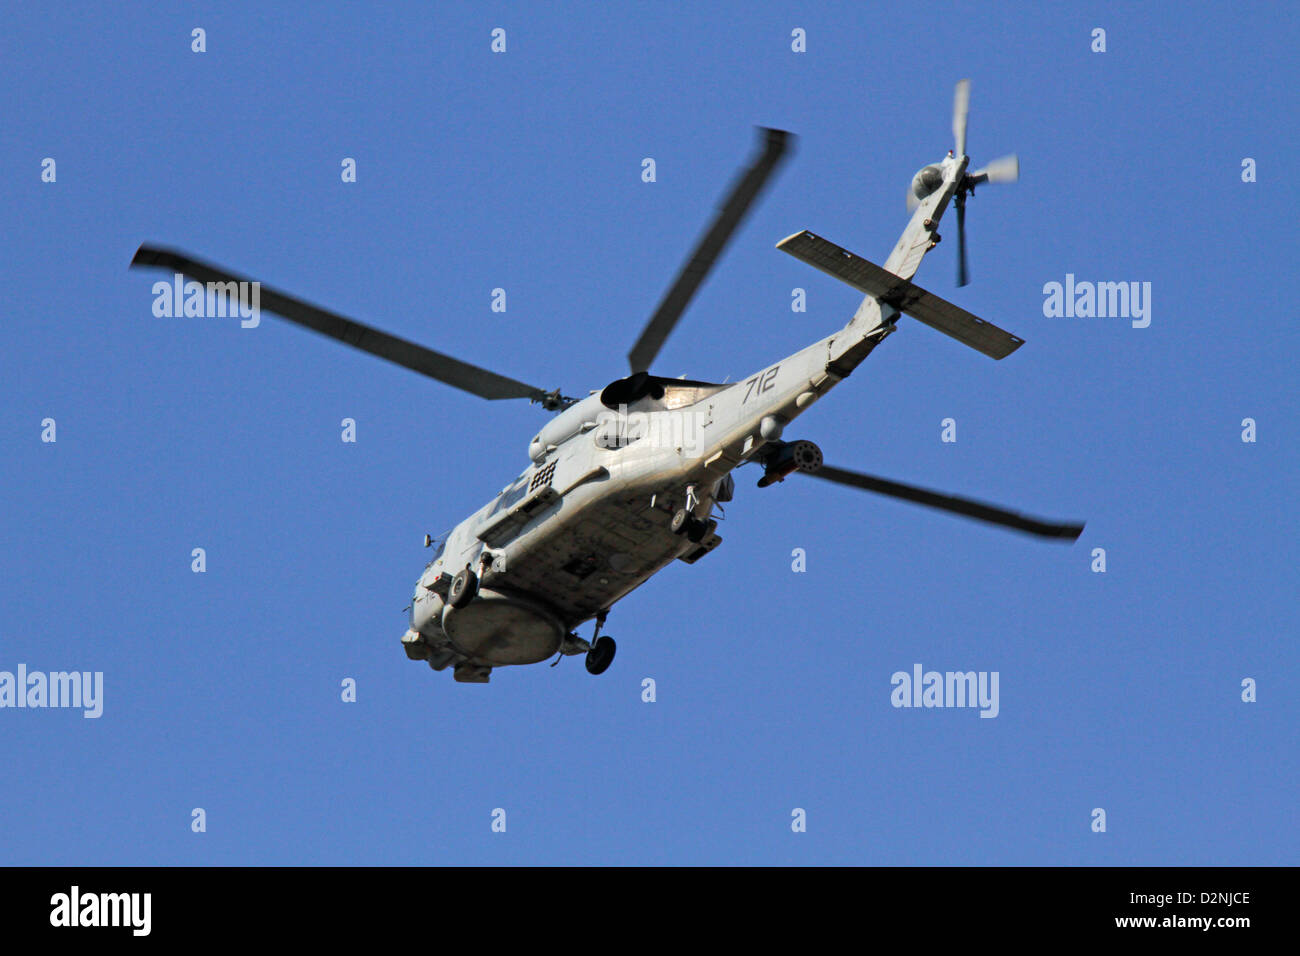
762, 382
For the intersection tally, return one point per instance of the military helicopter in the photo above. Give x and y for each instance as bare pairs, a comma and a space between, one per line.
625, 481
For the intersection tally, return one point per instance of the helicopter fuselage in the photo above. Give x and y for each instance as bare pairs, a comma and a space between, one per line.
591, 519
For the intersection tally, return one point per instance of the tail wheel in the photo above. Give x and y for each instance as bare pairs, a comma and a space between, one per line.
464, 588
601, 655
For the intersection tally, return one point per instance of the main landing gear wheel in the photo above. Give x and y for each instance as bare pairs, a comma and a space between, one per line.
601, 655
464, 587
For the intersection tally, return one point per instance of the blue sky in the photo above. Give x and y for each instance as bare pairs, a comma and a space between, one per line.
522, 171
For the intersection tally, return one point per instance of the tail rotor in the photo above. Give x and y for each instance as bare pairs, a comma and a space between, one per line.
1004, 169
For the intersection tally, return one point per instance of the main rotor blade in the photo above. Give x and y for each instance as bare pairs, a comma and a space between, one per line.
435, 365
950, 503
701, 260
960, 110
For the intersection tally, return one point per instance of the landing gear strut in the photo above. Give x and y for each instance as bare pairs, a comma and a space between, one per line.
602, 650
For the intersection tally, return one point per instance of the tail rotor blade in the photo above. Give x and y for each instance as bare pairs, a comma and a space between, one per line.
962, 275
1004, 169
960, 109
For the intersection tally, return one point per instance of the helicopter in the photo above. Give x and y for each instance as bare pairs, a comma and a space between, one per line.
625, 481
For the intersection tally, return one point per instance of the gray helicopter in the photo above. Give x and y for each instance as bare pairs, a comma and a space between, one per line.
625, 481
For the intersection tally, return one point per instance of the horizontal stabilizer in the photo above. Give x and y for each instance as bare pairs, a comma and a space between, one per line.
905, 296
